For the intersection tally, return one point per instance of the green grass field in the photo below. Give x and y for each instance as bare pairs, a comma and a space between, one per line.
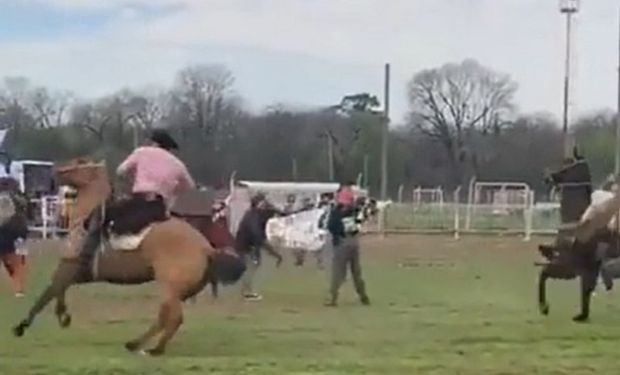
439, 307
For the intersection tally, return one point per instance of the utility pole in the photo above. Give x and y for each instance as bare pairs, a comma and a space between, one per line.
330, 155
135, 133
385, 133
366, 160
569, 8
294, 167
617, 164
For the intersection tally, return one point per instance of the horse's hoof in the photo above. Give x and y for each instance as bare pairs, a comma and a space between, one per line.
19, 330
155, 352
64, 320
132, 346
581, 318
544, 309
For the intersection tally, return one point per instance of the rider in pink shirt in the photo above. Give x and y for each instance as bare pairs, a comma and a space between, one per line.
155, 170
158, 178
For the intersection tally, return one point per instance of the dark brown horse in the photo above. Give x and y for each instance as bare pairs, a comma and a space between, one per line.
574, 254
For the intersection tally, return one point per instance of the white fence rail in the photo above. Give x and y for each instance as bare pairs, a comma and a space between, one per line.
504, 209
49, 219
516, 215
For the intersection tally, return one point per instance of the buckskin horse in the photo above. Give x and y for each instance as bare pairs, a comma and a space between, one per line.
575, 251
172, 253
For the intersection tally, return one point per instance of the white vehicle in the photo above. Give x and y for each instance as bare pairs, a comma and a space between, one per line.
35, 177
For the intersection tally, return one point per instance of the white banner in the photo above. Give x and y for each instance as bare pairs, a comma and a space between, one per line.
298, 231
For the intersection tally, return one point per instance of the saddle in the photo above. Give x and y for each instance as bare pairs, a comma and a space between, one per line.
128, 222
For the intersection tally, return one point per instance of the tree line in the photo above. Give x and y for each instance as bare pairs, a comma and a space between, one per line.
462, 122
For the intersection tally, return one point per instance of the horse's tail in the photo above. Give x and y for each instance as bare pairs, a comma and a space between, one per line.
222, 267
225, 267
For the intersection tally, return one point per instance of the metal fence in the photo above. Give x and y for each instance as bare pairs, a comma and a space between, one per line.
453, 216
458, 216
48, 216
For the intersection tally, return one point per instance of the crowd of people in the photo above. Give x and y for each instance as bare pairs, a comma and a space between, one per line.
340, 220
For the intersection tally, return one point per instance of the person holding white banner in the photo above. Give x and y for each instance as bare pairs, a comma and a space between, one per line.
344, 227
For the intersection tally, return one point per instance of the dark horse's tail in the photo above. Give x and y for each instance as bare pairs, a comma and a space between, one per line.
223, 268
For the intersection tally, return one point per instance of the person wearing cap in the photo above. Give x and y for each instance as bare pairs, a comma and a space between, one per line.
158, 175
345, 195
250, 239
343, 225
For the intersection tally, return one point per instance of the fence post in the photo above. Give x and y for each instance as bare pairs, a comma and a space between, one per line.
457, 203
382, 220
44, 217
470, 199
528, 215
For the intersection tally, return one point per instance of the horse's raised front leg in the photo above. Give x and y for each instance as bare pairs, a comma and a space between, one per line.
65, 275
555, 270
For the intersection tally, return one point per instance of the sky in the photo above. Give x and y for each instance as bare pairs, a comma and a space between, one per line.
311, 52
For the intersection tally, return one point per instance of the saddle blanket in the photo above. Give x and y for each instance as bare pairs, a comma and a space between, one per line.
298, 231
128, 242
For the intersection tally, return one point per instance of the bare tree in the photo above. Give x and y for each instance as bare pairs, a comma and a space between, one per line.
89, 117
49, 109
455, 104
202, 92
147, 110
14, 113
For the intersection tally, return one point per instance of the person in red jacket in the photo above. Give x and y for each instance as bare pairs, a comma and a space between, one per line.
345, 195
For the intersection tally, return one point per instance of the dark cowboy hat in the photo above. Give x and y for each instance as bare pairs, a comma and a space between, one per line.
164, 140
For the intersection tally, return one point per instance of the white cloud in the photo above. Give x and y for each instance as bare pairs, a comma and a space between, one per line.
103, 4
337, 38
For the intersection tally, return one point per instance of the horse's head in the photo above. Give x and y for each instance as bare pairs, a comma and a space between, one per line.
575, 184
81, 173
572, 172
89, 179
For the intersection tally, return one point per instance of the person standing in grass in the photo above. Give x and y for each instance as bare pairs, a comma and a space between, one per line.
344, 229
249, 241
13, 233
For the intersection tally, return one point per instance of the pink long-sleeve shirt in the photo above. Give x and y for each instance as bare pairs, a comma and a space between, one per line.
156, 170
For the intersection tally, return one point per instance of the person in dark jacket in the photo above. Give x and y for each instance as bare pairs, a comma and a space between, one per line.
13, 232
342, 225
249, 241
